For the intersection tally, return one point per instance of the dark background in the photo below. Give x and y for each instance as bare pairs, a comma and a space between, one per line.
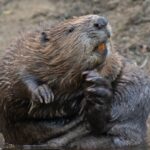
130, 20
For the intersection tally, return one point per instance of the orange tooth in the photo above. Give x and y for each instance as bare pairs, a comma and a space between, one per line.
101, 47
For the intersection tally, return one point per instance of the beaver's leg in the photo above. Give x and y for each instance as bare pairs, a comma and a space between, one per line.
40, 92
36, 132
98, 96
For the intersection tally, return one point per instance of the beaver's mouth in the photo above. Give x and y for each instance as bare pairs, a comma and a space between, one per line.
101, 48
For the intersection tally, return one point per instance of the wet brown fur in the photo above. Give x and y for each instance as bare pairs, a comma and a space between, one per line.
56, 63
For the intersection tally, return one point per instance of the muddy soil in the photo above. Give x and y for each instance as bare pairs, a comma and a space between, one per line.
130, 20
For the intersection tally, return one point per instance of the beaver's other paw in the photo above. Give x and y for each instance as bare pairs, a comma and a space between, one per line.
43, 94
99, 89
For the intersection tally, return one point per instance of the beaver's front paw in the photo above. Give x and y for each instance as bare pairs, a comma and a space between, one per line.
99, 90
42, 94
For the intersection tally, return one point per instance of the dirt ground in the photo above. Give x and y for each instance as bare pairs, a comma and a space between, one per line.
130, 20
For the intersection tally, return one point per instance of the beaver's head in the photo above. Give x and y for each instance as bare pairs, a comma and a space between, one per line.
76, 45
83, 40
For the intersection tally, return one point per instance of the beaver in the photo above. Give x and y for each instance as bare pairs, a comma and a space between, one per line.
58, 88
41, 79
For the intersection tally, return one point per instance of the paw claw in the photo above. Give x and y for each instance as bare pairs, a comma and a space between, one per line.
43, 94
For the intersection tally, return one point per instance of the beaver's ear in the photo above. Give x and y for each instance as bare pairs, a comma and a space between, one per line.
44, 38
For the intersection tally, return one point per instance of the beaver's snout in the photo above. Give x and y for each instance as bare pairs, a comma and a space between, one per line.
100, 23
99, 29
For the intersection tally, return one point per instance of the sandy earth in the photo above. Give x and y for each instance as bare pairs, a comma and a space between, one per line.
130, 20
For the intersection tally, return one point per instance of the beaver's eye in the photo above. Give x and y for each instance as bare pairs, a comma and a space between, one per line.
71, 29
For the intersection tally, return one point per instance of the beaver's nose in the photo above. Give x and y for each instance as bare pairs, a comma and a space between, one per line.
101, 22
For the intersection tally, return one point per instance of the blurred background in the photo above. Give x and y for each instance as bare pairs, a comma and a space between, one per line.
130, 20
